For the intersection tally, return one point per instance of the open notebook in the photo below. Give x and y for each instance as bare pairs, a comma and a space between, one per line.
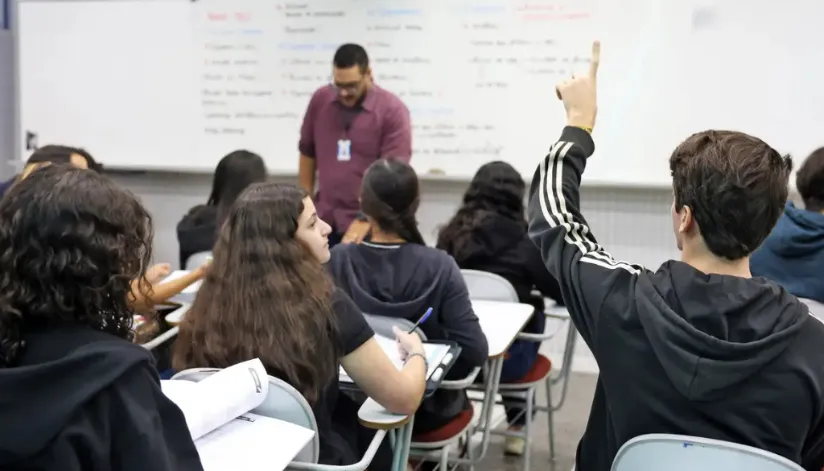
435, 354
227, 435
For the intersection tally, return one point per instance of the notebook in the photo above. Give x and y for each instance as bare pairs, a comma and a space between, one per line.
435, 355
228, 437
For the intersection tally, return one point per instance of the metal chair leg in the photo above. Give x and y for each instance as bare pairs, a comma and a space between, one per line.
549, 417
527, 431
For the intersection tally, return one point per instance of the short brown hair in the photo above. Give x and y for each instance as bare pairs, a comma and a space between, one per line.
736, 186
810, 181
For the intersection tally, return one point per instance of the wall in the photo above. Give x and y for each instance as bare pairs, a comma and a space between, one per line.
633, 224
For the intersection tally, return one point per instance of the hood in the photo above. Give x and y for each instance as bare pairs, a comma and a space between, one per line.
39, 400
197, 231
390, 280
797, 234
711, 332
199, 219
493, 236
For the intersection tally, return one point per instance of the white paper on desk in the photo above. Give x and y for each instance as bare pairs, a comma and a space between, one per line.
220, 398
191, 289
251, 441
435, 353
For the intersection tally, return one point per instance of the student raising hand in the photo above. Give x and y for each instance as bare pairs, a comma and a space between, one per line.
579, 94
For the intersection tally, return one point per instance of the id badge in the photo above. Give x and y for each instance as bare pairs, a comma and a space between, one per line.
344, 150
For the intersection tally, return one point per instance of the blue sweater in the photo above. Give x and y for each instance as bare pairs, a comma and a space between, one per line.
793, 254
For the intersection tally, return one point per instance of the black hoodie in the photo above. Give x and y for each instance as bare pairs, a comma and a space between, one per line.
197, 231
679, 351
404, 280
86, 400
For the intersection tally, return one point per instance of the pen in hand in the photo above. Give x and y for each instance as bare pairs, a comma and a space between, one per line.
423, 319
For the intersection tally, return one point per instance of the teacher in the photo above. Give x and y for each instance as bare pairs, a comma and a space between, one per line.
348, 125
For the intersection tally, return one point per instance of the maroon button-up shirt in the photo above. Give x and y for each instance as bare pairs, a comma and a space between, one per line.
380, 128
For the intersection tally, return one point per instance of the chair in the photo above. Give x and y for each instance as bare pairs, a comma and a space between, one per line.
658, 452
198, 259
285, 403
492, 287
816, 308
488, 286
437, 442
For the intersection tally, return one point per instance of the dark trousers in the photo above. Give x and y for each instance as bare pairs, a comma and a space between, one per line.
521, 358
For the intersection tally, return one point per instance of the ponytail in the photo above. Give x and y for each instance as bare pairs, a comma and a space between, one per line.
408, 229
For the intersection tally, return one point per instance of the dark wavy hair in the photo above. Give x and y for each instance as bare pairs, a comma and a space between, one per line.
71, 243
810, 181
236, 171
390, 195
265, 296
59, 154
496, 190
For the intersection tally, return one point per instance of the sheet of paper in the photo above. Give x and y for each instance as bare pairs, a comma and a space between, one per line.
221, 397
252, 442
435, 352
191, 289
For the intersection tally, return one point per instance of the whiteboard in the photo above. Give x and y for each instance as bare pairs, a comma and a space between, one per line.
175, 85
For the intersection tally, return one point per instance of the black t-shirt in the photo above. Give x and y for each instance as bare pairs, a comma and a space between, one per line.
337, 426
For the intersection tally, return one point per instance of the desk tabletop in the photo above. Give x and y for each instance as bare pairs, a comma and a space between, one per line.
373, 415
501, 322
176, 317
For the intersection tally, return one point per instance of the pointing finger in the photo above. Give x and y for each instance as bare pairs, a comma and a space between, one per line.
595, 61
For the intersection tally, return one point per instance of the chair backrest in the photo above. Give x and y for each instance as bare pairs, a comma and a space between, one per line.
488, 286
815, 307
382, 325
659, 452
198, 259
283, 403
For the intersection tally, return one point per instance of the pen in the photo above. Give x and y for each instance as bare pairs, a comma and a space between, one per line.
423, 319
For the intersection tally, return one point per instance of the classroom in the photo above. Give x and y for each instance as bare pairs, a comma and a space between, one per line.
411, 235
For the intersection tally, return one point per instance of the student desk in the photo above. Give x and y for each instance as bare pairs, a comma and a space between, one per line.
399, 427
501, 322
371, 414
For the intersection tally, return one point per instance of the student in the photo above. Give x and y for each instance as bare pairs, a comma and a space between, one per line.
53, 154
488, 233
699, 347
142, 301
77, 394
197, 231
267, 296
793, 254
395, 274
348, 125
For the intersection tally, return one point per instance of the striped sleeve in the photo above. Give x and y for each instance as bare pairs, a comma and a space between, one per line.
593, 283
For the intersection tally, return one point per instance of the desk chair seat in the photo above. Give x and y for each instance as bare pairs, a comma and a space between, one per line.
492, 287
454, 428
537, 374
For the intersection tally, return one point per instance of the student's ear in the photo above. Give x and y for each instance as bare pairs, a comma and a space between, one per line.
686, 220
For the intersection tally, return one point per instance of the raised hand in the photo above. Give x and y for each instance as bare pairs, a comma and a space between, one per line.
579, 93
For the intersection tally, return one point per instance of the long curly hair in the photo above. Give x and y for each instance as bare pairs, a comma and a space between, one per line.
71, 243
496, 190
265, 296
390, 195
